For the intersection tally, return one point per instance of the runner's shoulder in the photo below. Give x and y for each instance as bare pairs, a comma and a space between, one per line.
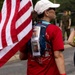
53, 27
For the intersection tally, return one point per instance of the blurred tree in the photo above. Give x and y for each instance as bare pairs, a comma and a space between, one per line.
1, 3
65, 5
34, 2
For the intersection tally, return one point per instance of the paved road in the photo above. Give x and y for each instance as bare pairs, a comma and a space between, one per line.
69, 53
19, 67
14, 68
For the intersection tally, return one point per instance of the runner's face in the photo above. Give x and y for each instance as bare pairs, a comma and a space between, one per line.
65, 13
51, 14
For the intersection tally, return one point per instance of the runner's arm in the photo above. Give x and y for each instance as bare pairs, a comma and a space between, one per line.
59, 58
23, 54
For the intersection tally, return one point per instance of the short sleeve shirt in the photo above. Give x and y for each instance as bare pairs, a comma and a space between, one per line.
49, 66
55, 35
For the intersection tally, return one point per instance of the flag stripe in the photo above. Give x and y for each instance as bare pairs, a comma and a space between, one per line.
24, 13
8, 6
15, 49
4, 12
13, 22
23, 29
24, 9
21, 35
23, 3
10, 37
24, 24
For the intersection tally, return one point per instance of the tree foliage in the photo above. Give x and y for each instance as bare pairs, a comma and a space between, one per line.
64, 5
34, 1
1, 3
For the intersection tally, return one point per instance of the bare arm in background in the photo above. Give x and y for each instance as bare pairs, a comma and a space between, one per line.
69, 23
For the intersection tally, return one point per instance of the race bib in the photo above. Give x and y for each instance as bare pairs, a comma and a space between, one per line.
35, 41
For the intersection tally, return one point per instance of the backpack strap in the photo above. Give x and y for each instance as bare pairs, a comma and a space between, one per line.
43, 46
43, 26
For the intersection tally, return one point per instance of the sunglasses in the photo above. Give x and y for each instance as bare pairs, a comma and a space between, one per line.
51, 9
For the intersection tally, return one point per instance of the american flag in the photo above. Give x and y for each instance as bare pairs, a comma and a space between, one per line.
15, 27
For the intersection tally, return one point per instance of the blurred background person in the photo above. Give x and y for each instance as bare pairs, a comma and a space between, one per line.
65, 24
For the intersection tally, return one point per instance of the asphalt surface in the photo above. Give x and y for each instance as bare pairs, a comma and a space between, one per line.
69, 60
18, 67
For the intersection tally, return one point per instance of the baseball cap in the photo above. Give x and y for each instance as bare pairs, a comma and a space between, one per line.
43, 5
